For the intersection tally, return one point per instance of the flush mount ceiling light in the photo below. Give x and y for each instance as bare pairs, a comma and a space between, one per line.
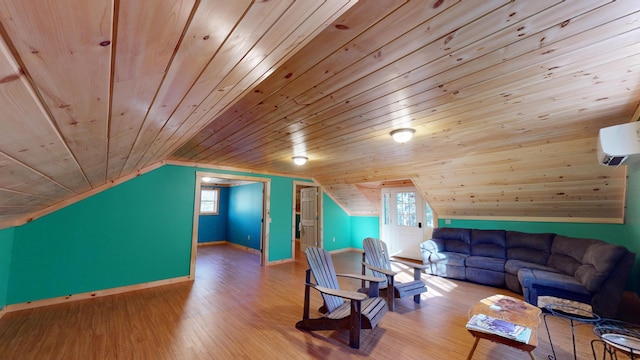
300, 160
207, 179
402, 135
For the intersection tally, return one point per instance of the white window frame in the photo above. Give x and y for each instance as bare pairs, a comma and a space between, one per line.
215, 201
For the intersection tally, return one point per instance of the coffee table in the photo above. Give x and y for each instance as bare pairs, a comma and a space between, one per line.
512, 310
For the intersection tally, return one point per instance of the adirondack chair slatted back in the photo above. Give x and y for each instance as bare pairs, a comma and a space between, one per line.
324, 274
376, 254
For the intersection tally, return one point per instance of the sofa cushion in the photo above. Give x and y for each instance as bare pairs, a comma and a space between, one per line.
512, 266
489, 243
455, 240
529, 278
484, 262
532, 248
567, 253
484, 276
597, 263
448, 258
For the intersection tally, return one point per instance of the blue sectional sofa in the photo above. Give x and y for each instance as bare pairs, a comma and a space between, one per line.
584, 270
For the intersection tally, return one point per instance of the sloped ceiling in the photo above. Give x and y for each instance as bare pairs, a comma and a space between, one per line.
506, 98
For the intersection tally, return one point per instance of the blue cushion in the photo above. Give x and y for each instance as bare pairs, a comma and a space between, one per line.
484, 262
528, 278
448, 258
567, 253
488, 243
533, 248
512, 266
455, 240
598, 262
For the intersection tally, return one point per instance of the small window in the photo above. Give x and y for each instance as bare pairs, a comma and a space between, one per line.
209, 201
406, 208
429, 212
386, 211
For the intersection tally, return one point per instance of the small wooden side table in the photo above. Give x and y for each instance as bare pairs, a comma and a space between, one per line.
512, 310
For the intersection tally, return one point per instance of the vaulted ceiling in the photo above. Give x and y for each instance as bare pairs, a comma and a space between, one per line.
506, 98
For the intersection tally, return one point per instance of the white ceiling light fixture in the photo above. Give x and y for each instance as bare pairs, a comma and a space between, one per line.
300, 160
402, 135
207, 179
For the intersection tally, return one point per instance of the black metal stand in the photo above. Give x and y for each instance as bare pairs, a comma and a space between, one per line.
617, 337
573, 314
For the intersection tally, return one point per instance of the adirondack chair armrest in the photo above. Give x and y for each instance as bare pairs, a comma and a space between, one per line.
380, 270
410, 264
345, 294
373, 279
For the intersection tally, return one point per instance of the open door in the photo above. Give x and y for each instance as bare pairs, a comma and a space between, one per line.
308, 218
403, 222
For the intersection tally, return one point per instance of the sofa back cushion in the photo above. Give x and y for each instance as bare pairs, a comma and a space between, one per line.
598, 262
454, 240
490, 243
567, 253
533, 248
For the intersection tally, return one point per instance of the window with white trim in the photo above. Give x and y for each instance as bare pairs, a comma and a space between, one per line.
209, 201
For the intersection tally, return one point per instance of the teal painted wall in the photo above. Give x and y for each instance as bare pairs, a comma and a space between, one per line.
136, 232
336, 225
608, 232
6, 244
245, 215
214, 227
363, 227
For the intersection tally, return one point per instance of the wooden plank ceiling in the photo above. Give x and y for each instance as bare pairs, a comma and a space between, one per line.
506, 98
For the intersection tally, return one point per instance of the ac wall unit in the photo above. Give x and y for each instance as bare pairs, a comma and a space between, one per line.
619, 144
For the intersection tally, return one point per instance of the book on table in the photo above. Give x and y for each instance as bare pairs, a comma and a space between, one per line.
491, 325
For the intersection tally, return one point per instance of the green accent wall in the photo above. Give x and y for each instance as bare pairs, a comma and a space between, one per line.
348, 231
363, 227
607, 232
136, 232
6, 244
336, 225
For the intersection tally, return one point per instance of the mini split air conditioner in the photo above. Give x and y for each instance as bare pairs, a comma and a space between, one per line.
619, 144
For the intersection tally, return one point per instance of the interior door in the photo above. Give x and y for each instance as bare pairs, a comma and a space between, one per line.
403, 220
308, 217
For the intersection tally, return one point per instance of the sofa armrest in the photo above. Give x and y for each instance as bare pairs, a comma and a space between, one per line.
537, 283
432, 246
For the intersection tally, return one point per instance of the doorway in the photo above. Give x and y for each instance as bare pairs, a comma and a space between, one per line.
403, 222
307, 216
228, 179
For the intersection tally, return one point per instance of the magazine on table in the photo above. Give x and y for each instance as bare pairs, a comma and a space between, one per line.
491, 325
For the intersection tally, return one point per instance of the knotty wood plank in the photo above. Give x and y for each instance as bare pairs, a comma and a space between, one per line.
34, 145
75, 55
148, 33
257, 19
288, 33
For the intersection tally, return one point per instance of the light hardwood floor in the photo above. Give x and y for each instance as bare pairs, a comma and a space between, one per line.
237, 310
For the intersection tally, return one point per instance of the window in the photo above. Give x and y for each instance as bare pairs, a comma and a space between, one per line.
406, 207
209, 201
385, 208
429, 212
